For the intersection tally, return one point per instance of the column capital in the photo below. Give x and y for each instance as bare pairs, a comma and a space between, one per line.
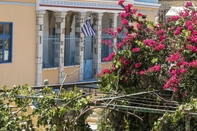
40, 12
60, 14
100, 14
113, 15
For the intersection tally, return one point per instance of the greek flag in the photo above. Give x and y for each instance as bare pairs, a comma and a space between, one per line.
87, 29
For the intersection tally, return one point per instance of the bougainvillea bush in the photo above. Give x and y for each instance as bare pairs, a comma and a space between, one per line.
162, 56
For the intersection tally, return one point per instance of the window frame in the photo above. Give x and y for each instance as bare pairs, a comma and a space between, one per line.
5, 36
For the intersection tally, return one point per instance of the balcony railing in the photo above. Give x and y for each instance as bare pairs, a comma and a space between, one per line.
51, 49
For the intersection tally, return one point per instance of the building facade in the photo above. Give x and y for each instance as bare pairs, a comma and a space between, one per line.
17, 42
46, 41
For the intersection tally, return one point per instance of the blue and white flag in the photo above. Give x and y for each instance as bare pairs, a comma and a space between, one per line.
87, 28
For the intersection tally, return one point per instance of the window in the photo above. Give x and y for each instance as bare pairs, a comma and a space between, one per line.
106, 50
71, 50
5, 42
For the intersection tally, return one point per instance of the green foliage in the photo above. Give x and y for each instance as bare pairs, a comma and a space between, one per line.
53, 112
11, 105
177, 121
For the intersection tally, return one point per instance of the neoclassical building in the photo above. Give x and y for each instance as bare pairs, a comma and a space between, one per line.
46, 41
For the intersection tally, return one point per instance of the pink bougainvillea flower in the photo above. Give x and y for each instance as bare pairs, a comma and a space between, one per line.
126, 62
119, 29
188, 4
182, 70
120, 2
188, 23
142, 72
134, 11
122, 59
175, 18
125, 22
182, 63
138, 25
159, 32
172, 82
193, 38
106, 71
184, 13
177, 32
110, 57
194, 32
190, 27
192, 48
137, 65
193, 64
173, 71
119, 45
173, 58
113, 67
163, 37
155, 68
127, 8
107, 42
150, 42
137, 49
139, 15
159, 47
122, 15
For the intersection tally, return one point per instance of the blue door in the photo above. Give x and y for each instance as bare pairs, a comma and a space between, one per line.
87, 69
88, 57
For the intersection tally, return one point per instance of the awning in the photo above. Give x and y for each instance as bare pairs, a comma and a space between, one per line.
174, 11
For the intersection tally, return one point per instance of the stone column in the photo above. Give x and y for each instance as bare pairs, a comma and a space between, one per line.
113, 25
97, 43
60, 34
79, 21
39, 44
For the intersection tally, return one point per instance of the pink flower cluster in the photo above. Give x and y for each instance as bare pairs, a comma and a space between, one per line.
193, 64
150, 42
175, 18
172, 83
124, 61
110, 31
125, 22
107, 42
137, 65
188, 4
175, 57
119, 45
155, 68
192, 48
120, 2
110, 57
193, 38
160, 32
178, 30
127, 8
137, 49
106, 71
159, 47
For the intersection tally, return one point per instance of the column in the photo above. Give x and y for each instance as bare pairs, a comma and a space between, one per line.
60, 33
79, 20
113, 25
97, 18
39, 45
